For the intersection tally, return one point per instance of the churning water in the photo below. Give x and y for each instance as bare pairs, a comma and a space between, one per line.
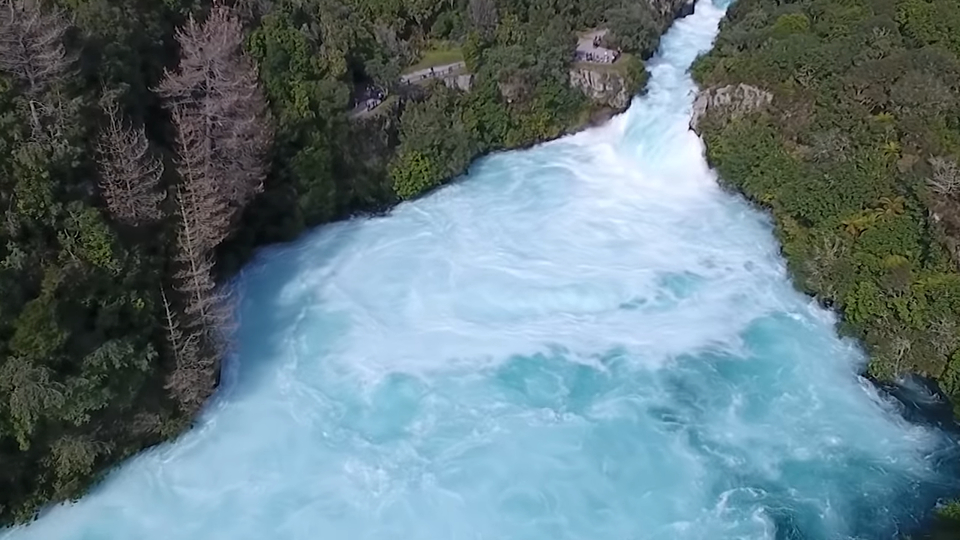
588, 340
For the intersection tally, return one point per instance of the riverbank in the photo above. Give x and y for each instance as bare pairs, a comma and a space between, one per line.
587, 337
430, 133
102, 353
837, 123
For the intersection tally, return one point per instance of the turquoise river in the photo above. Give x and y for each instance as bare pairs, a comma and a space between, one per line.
587, 340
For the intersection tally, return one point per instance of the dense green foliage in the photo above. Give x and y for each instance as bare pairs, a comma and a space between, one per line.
521, 92
866, 97
81, 370
857, 160
85, 352
314, 53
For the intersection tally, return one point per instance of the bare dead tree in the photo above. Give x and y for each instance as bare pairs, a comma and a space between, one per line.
32, 51
822, 264
205, 308
194, 373
129, 171
223, 133
944, 335
946, 176
216, 89
204, 305
197, 344
31, 44
174, 333
205, 211
901, 346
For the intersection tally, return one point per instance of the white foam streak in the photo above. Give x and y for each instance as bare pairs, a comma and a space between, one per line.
588, 340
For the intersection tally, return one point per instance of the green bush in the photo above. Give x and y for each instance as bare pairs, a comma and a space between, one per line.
862, 102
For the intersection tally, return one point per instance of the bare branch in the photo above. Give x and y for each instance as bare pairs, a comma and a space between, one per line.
206, 213
194, 376
129, 172
223, 134
31, 44
216, 90
203, 304
946, 176
944, 335
174, 334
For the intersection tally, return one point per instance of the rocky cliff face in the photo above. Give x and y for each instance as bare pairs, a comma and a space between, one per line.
461, 81
730, 101
673, 9
602, 86
608, 87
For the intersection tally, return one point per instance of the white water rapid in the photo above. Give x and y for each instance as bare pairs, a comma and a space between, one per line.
587, 340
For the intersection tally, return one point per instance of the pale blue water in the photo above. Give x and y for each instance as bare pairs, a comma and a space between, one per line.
588, 340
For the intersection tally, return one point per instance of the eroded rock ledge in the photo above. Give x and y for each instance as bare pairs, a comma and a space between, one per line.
607, 88
731, 101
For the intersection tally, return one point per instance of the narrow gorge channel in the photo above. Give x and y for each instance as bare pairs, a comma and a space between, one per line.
587, 340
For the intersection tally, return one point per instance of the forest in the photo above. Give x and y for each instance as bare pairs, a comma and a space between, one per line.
148, 147
857, 158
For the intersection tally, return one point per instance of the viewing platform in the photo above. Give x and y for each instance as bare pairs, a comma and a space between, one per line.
434, 72
589, 48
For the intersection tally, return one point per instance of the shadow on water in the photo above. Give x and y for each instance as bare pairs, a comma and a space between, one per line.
266, 313
919, 401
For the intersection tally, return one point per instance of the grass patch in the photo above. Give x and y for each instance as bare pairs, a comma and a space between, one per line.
436, 57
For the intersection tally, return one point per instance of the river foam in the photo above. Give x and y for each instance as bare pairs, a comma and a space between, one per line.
587, 340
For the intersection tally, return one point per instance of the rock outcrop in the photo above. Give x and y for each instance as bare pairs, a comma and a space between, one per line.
673, 9
606, 87
731, 101
460, 81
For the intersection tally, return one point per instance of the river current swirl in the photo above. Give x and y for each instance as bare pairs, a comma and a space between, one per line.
587, 340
